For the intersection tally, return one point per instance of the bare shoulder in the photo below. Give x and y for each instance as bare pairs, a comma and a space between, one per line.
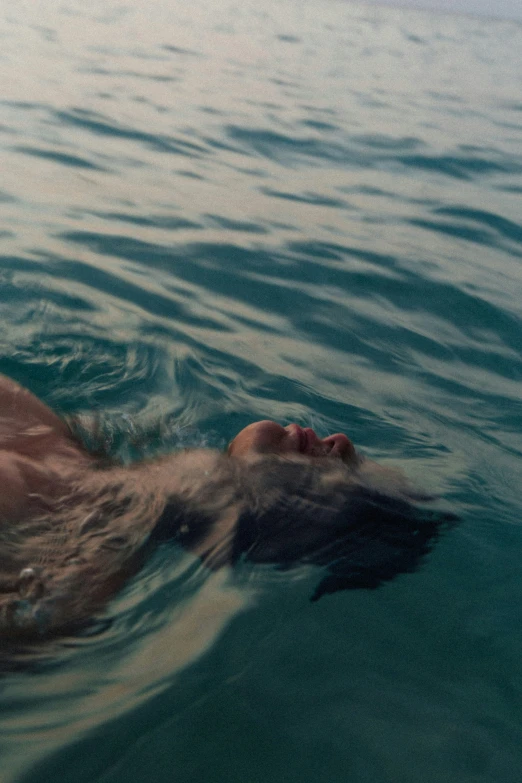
37, 452
20, 410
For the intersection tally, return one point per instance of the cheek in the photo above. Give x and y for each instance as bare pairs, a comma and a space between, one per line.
263, 436
267, 436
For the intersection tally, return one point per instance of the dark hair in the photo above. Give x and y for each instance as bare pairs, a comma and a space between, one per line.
362, 536
290, 512
57, 570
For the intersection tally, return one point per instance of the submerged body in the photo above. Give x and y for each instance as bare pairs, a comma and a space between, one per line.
72, 530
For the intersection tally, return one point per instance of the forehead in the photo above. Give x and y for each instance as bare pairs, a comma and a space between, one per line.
260, 430
259, 434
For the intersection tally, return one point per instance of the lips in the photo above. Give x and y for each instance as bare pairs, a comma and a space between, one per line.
308, 441
311, 440
302, 442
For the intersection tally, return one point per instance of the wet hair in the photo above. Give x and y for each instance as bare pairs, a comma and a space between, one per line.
371, 539
289, 512
58, 570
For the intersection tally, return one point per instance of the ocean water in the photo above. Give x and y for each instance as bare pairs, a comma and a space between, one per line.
306, 211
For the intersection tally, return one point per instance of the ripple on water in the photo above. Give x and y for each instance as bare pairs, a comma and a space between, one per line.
214, 214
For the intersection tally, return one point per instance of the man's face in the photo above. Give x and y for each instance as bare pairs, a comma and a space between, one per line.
268, 437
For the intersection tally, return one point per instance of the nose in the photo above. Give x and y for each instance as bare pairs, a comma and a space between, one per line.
340, 445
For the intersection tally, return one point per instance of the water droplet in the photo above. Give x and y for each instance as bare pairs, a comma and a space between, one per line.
30, 584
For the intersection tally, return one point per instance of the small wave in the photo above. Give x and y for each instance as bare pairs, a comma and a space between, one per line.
61, 158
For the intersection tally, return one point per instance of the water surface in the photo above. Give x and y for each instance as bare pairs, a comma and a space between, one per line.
301, 211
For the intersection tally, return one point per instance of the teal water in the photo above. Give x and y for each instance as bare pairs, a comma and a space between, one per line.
308, 212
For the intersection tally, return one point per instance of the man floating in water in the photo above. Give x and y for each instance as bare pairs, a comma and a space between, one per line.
73, 528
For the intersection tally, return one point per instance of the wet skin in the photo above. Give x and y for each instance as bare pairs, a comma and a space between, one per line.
268, 437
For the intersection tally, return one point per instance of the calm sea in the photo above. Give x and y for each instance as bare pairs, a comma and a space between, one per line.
308, 211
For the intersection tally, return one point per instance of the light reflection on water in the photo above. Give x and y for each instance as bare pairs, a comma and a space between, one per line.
304, 212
